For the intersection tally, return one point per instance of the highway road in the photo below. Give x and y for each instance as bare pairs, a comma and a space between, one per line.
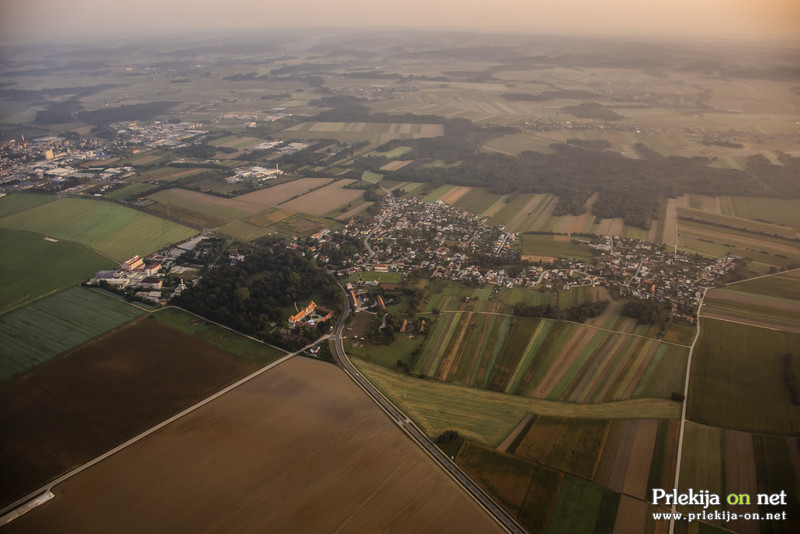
476, 492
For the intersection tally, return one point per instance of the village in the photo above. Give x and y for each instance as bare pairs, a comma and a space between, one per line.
451, 244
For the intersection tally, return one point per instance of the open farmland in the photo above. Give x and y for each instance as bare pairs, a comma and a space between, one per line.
737, 378
32, 267
110, 229
550, 246
259, 353
323, 200
21, 201
486, 416
611, 462
268, 473
42, 330
351, 132
728, 461
278, 194
547, 359
77, 407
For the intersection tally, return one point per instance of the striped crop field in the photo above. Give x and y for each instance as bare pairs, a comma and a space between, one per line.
546, 359
42, 330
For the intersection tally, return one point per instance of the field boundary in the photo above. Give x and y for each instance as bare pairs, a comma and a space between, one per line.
570, 322
9, 513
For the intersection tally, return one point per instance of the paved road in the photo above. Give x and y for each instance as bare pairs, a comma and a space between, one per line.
683, 409
476, 492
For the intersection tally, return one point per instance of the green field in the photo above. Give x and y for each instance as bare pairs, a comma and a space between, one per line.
782, 211
130, 190
478, 200
233, 342
437, 193
781, 285
737, 378
545, 245
49, 327
372, 177
110, 229
31, 267
16, 202
373, 276
485, 416
394, 153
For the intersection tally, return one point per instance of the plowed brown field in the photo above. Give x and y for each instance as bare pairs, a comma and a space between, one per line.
297, 449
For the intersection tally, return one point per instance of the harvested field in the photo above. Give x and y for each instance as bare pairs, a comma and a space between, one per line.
223, 208
452, 196
396, 165
268, 217
70, 318
325, 199
670, 232
77, 407
280, 479
277, 194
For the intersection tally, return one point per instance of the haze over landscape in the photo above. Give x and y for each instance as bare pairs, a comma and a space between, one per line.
517, 266
39, 20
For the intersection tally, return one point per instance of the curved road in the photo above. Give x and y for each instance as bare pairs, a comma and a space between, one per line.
476, 492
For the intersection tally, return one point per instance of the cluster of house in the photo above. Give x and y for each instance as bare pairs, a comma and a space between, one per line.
143, 274
413, 235
409, 234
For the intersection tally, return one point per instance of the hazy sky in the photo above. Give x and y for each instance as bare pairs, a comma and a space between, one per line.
37, 19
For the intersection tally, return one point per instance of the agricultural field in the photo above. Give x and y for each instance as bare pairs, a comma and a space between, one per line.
394, 153
487, 417
22, 201
32, 267
110, 229
552, 246
758, 214
610, 463
323, 200
546, 359
352, 132
729, 461
755, 308
737, 379
278, 194
51, 326
302, 225
130, 190
716, 241
75, 408
227, 340
367, 479
220, 208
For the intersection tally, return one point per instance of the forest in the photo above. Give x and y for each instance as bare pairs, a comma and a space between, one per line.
252, 295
